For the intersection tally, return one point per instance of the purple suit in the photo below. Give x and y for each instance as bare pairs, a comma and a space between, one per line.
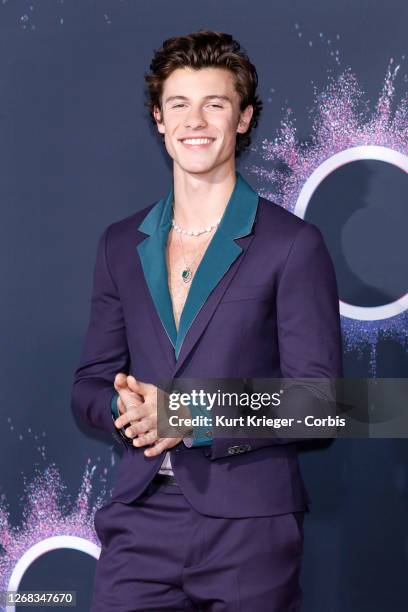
271, 310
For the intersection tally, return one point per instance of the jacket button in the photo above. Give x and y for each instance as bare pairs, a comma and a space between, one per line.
233, 450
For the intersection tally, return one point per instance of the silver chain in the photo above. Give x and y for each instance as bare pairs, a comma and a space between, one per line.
187, 273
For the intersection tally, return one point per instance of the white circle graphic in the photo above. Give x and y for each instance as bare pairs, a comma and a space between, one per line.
360, 313
42, 547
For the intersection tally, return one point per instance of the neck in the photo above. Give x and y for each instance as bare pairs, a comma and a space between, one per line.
200, 199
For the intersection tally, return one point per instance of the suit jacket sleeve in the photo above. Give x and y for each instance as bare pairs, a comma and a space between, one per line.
308, 320
105, 350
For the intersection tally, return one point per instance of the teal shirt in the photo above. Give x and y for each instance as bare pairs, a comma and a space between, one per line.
221, 252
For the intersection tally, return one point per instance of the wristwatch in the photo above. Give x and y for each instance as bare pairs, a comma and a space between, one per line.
115, 414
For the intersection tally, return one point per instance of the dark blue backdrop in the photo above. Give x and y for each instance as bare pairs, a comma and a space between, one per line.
77, 152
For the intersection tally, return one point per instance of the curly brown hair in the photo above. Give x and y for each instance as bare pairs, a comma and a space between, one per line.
203, 49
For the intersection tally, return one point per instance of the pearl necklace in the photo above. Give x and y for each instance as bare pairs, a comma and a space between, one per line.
180, 230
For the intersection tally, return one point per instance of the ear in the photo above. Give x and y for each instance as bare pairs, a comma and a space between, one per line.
158, 118
245, 119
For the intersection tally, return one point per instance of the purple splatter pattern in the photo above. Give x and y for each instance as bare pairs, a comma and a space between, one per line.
341, 119
47, 512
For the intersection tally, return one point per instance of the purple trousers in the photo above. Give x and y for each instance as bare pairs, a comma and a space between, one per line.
158, 554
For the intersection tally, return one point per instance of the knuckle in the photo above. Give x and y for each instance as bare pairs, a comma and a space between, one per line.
141, 426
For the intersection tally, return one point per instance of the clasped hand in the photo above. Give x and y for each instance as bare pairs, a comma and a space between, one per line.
137, 403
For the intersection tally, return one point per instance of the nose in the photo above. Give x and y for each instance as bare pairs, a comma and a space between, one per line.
194, 119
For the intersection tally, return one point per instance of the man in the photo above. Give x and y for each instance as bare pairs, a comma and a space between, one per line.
212, 281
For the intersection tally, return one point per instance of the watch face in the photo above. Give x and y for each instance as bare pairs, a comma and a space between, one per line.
120, 435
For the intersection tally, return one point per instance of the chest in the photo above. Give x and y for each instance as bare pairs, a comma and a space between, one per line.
179, 257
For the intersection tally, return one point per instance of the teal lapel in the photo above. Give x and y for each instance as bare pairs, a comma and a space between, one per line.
152, 253
220, 254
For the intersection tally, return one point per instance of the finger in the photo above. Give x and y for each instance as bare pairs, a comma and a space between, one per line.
141, 387
147, 438
130, 401
135, 385
131, 414
145, 409
139, 428
143, 426
131, 431
160, 446
120, 382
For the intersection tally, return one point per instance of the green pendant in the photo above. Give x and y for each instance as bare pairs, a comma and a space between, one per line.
186, 275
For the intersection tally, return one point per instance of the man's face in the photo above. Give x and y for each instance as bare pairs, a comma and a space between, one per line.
201, 118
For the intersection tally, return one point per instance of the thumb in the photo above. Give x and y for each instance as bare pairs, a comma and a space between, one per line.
120, 382
136, 385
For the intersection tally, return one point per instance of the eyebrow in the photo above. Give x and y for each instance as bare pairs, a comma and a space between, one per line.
210, 97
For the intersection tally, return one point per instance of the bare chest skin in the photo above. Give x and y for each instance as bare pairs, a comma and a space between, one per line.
194, 248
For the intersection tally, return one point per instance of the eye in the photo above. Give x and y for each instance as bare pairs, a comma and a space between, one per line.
216, 105
178, 105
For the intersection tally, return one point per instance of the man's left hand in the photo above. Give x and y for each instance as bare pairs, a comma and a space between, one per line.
144, 430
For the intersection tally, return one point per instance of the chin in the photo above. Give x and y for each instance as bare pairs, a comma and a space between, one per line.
197, 168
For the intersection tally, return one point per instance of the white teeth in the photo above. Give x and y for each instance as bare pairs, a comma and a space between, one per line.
197, 141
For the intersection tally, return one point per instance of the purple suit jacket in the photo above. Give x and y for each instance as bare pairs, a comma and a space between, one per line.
272, 311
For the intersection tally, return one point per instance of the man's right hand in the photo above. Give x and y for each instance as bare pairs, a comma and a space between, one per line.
127, 397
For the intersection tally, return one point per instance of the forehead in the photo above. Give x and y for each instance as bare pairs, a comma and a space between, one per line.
201, 82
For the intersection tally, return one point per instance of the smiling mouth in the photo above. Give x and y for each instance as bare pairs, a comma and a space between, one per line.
197, 141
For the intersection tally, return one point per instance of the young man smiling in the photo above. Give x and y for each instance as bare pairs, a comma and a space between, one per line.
210, 282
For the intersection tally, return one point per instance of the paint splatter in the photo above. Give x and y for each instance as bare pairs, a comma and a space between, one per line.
341, 119
48, 512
